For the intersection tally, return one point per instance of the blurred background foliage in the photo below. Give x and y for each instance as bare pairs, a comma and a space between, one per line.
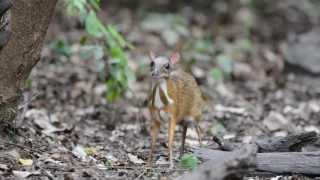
220, 40
97, 43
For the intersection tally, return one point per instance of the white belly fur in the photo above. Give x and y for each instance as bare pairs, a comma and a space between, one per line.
157, 100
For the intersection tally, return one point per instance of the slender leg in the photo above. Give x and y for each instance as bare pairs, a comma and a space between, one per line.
184, 133
154, 133
199, 132
172, 127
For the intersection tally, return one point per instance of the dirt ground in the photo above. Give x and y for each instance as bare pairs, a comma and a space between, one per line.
69, 130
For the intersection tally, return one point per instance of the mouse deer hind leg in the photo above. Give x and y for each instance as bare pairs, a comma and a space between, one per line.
183, 139
199, 130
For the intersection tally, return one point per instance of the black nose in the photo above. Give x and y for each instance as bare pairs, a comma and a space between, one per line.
154, 74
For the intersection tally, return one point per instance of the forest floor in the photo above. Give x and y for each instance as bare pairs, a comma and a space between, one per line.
69, 130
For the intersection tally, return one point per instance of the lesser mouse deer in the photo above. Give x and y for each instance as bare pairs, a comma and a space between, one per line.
176, 94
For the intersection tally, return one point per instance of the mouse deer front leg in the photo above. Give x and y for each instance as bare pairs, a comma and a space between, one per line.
154, 132
171, 132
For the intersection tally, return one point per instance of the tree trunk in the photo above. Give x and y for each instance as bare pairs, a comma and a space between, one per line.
29, 23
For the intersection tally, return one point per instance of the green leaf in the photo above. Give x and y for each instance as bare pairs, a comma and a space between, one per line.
204, 46
216, 74
108, 163
28, 83
74, 6
95, 4
61, 47
83, 40
217, 128
130, 74
118, 37
114, 43
93, 25
116, 52
113, 90
225, 63
189, 161
246, 44
92, 50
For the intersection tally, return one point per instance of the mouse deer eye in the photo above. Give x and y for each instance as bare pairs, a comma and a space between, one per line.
152, 64
167, 66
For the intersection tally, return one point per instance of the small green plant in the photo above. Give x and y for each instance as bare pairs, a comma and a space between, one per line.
189, 161
225, 63
216, 74
108, 163
217, 128
28, 83
204, 45
113, 45
224, 68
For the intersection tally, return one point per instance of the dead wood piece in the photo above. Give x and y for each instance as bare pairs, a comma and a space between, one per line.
291, 143
307, 163
226, 165
225, 146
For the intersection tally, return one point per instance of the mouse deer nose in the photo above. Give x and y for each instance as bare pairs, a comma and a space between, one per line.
155, 73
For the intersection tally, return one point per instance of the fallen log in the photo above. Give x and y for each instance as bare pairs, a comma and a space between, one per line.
307, 163
291, 143
231, 167
275, 156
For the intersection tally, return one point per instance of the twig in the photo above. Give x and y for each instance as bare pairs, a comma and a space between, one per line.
223, 145
143, 167
21, 146
28, 101
121, 167
49, 175
140, 175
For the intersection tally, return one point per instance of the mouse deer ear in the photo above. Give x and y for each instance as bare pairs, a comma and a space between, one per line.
175, 57
152, 56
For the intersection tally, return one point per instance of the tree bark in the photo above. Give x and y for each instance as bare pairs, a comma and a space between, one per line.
29, 22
